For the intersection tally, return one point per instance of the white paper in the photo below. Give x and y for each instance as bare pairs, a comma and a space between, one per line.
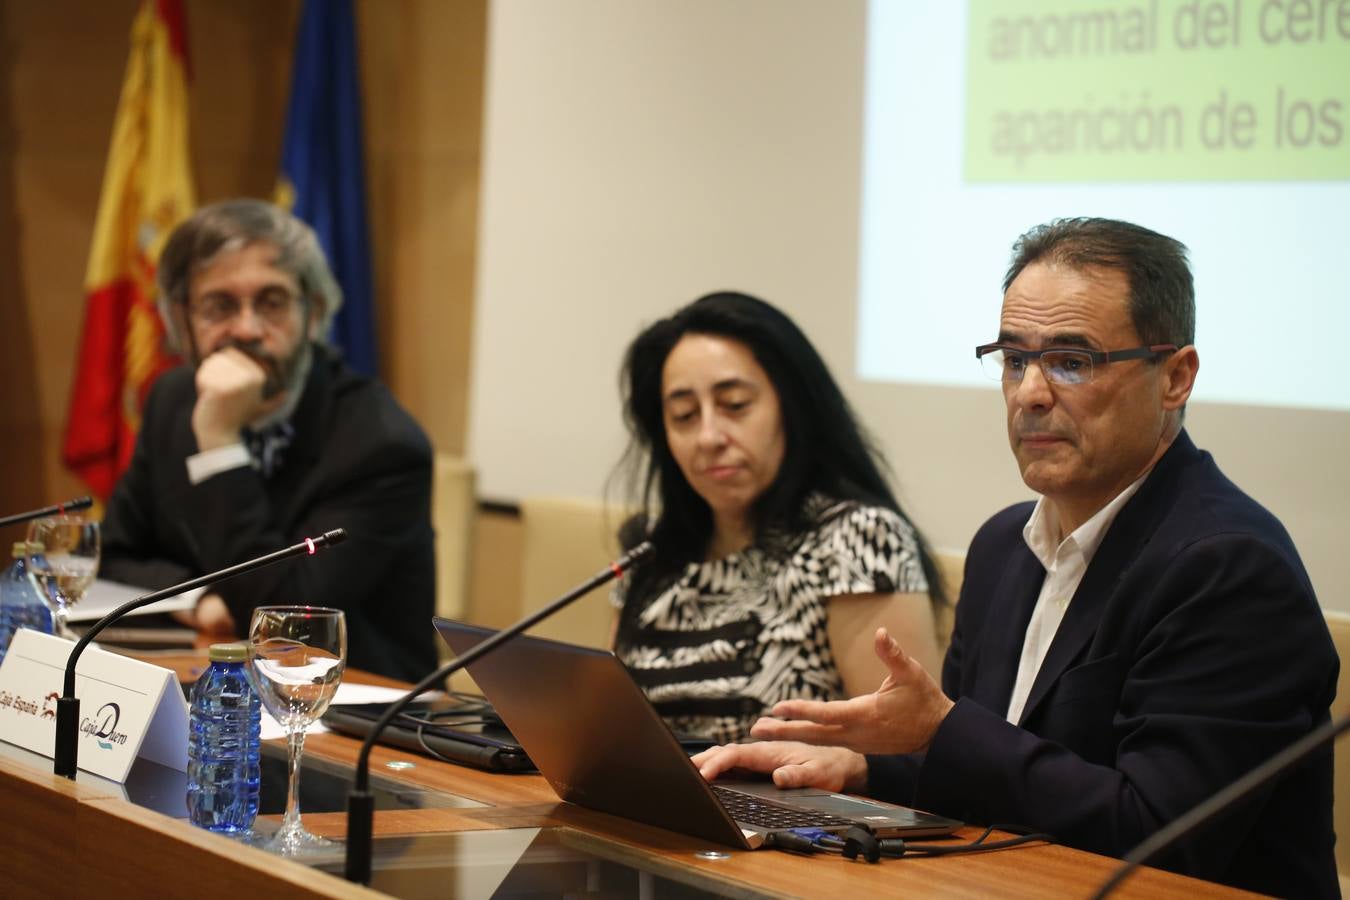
271, 729
105, 596
349, 695
352, 694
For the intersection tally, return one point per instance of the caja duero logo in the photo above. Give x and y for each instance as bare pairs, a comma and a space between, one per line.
102, 726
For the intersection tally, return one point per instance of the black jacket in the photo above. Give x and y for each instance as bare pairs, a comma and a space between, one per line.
1193, 650
357, 461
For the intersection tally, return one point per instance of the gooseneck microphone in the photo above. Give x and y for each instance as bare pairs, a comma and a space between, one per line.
66, 753
360, 802
55, 510
1225, 799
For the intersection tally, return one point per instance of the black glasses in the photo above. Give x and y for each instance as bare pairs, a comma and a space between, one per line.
272, 307
1061, 365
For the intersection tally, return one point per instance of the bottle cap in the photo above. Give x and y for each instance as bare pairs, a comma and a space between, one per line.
20, 549
236, 652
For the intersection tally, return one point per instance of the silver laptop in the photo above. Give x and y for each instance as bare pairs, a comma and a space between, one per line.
592, 733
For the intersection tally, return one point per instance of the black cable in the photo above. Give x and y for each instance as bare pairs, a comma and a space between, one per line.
937, 850
791, 842
431, 751
858, 841
852, 845
466, 720
483, 713
468, 710
466, 702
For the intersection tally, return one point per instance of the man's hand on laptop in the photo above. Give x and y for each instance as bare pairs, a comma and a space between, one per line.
901, 716
792, 765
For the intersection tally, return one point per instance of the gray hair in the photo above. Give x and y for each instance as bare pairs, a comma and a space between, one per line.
233, 225
1162, 294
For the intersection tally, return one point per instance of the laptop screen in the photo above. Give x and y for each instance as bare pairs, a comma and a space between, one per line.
592, 733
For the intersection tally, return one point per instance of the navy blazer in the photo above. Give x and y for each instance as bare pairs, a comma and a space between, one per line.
1193, 650
358, 461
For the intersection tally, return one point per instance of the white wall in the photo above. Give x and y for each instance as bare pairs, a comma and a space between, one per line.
640, 154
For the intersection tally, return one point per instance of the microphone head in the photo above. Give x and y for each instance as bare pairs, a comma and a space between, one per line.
638, 555
336, 536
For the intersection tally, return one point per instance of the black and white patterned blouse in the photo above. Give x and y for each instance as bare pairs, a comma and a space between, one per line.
730, 638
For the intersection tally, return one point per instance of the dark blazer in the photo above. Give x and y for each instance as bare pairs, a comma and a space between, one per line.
1193, 650
358, 462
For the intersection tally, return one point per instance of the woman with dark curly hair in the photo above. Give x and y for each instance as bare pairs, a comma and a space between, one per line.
780, 546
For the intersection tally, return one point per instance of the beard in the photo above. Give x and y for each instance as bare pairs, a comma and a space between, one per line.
283, 373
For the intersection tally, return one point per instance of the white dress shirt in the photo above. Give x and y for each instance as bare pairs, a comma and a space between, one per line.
203, 465
1064, 565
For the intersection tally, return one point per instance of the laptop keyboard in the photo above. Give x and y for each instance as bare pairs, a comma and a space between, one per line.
763, 813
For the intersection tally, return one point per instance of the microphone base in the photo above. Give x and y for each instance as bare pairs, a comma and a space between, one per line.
67, 750
360, 836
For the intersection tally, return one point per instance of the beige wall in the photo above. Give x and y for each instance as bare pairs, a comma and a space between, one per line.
422, 70
61, 65
641, 154
635, 155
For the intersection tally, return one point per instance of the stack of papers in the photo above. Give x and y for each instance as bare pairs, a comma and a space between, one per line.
347, 694
104, 596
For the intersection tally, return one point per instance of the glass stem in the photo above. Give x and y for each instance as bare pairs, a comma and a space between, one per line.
296, 741
59, 616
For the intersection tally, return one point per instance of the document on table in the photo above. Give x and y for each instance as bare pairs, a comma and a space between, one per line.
104, 596
347, 694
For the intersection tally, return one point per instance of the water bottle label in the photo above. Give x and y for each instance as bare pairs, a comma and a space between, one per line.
223, 750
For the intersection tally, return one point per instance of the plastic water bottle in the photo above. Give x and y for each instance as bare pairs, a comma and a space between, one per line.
223, 744
21, 602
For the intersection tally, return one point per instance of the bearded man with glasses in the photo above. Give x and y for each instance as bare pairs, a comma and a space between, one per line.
265, 438
1141, 636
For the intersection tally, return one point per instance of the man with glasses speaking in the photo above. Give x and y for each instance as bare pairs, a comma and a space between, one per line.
1138, 638
266, 438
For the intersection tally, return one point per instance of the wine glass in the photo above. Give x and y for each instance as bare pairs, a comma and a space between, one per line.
297, 654
63, 554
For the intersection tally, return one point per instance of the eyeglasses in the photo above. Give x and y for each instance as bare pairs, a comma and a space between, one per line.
1060, 365
272, 307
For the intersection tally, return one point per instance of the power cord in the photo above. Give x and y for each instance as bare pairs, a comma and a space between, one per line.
467, 710
859, 842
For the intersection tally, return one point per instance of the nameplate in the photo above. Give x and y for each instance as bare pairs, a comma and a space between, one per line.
128, 708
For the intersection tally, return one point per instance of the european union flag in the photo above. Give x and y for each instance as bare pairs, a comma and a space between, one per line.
323, 167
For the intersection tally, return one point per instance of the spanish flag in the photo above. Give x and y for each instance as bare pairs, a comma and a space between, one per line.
147, 190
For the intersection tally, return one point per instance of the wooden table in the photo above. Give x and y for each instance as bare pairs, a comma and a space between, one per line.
64, 840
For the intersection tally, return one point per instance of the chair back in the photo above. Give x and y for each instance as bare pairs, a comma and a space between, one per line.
951, 566
1339, 625
565, 541
452, 512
